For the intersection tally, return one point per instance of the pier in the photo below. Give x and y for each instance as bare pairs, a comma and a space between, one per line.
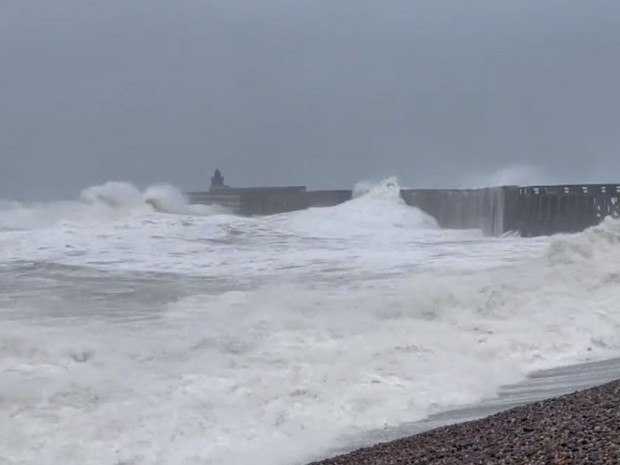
525, 210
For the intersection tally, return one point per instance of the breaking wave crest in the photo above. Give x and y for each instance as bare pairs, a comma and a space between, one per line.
237, 365
600, 243
163, 198
314, 341
558, 307
106, 202
374, 206
387, 189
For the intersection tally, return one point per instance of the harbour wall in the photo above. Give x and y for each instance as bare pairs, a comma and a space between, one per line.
255, 200
528, 211
545, 210
485, 209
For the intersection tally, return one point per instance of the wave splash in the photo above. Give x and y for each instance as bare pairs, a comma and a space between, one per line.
162, 198
375, 206
293, 368
110, 201
277, 372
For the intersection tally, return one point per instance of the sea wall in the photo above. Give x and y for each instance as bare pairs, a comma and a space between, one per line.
328, 198
254, 200
483, 209
226, 198
272, 200
529, 211
545, 210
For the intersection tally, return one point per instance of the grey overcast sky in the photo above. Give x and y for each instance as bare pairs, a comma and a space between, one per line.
318, 92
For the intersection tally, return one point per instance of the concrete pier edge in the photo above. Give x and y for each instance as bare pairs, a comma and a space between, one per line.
525, 210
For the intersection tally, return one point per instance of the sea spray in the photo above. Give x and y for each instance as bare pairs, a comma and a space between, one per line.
110, 201
163, 338
375, 207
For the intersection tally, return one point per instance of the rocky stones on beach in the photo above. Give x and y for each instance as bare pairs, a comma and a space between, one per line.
582, 428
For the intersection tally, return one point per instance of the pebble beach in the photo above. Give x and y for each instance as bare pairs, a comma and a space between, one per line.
578, 428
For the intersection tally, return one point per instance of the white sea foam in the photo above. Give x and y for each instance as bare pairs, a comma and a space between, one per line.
121, 195
110, 201
376, 209
274, 338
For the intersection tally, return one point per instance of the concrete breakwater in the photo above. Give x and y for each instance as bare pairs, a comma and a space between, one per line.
529, 211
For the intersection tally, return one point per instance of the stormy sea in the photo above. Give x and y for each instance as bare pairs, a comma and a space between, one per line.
137, 329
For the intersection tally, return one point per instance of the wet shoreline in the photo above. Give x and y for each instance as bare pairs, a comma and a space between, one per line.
564, 415
578, 428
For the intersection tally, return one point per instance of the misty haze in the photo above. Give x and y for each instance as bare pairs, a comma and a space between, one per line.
318, 93
270, 232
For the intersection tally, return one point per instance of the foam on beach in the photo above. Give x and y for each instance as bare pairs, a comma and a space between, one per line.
582, 427
132, 335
